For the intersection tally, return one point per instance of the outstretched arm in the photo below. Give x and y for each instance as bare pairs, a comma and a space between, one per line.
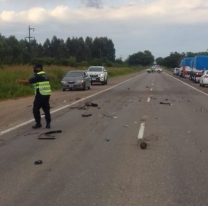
22, 81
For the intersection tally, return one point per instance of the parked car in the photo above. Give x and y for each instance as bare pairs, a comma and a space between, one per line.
98, 74
180, 72
176, 71
204, 79
76, 80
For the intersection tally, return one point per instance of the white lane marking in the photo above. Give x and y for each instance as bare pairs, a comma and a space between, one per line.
141, 131
151, 89
148, 100
188, 85
152, 84
68, 105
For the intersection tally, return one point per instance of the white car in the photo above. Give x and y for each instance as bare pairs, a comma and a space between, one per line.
204, 79
176, 71
98, 74
158, 69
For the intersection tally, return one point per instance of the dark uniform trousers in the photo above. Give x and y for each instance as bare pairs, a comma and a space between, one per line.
41, 102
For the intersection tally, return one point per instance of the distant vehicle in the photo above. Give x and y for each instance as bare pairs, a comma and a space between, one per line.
185, 66
98, 74
76, 80
159, 69
204, 79
180, 72
176, 71
198, 65
149, 70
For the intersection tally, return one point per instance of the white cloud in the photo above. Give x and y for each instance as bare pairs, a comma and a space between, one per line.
178, 11
140, 22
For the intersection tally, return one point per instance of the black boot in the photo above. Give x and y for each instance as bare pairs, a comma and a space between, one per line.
36, 126
48, 125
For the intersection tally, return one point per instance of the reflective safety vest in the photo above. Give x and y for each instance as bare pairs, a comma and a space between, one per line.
43, 86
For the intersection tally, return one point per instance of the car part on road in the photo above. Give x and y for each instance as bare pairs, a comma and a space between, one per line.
38, 162
47, 135
90, 104
143, 145
86, 115
165, 103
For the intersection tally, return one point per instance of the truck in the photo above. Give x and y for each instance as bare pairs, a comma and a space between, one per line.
198, 65
185, 67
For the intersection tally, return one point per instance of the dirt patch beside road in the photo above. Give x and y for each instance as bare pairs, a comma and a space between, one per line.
17, 111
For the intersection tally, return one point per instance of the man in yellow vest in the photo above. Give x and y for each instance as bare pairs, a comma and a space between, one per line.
42, 87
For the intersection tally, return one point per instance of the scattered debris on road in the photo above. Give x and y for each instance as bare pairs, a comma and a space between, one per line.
90, 104
126, 125
31, 133
47, 135
107, 140
38, 162
166, 103
143, 145
110, 116
79, 108
86, 115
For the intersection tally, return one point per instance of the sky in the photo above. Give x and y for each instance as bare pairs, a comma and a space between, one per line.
160, 26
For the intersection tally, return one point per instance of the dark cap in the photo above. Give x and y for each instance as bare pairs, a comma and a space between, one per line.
38, 66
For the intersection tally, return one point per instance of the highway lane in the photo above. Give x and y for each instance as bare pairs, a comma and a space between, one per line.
97, 160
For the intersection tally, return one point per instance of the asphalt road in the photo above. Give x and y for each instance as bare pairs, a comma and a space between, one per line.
98, 161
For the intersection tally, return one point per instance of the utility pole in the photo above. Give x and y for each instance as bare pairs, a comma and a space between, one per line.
29, 37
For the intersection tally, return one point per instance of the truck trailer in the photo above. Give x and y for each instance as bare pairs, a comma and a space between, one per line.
198, 65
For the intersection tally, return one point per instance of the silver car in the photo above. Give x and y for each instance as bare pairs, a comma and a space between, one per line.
76, 80
98, 74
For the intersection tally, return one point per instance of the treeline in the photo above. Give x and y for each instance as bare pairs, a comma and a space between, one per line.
174, 59
141, 58
72, 52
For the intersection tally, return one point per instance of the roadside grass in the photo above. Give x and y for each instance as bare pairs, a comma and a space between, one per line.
8, 74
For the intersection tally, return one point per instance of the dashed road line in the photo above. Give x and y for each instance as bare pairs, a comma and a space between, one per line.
141, 131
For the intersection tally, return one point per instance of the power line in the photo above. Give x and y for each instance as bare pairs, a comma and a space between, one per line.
29, 37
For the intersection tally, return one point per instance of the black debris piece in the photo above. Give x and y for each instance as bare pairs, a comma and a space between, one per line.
166, 99
38, 162
78, 99
128, 88
29, 106
90, 104
107, 140
30, 133
2, 140
79, 108
53, 132
98, 107
166, 103
86, 115
47, 135
143, 145
147, 87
